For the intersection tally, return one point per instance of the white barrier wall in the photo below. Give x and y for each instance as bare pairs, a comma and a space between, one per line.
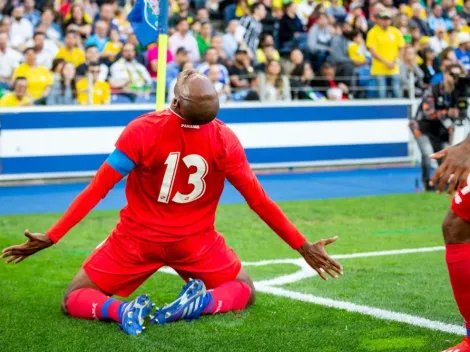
71, 141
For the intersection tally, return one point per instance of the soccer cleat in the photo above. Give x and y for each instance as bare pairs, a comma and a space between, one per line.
188, 306
133, 315
464, 346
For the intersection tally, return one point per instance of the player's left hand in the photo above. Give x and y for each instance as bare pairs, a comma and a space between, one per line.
454, 169
316, 256
35, 243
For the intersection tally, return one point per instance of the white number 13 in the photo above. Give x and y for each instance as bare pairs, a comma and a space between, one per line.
196, 179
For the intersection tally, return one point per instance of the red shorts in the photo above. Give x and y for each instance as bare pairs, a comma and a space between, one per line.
461, 203
121, 263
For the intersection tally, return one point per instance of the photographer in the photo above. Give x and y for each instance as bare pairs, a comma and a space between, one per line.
436, 117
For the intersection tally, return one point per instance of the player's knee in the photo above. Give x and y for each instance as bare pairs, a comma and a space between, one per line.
252, 298
455, 229
63, 303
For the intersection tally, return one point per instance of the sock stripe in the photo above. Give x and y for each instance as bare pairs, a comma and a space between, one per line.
104, 309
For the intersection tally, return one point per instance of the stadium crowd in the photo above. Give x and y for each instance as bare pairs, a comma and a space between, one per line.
85, 52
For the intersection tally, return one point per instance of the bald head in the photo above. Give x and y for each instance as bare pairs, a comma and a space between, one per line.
195, 98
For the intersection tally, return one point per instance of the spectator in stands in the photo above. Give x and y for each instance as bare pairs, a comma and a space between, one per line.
463, 51
21, 30
51, 28
465, 14
296, 57
152, 60
319, 41
128, 77
407, 66
252, 27
18, 97
336, 12
188, 65
223, 89
328, 85
79, 19
107, 15
438, 42
458, 23
184, 12
439, 77
274, 13
385, 44
358, 53
113, 47
56, 69
212, 58
183, 39
217, 44
436, 20
5, 24
101, 92
266, 43
202, 14
301, 81
9, 59
375, 8
93, 55
175, 67
64, 90
31, 13
71, 52
291, 31
449, 53
39, 78
339, 53
204, 39
45, 53
419, 21
195, 28
273, 85
100, 38
132, 39
230, 39
356, 17
429, 66
305, 10
243, 78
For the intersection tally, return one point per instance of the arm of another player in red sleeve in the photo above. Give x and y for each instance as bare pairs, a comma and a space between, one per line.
100, 185
240, 175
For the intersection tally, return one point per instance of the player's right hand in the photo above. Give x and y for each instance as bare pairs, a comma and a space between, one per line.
35, 243
316, 256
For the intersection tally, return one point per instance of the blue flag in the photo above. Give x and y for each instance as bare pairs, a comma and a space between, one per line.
144, 18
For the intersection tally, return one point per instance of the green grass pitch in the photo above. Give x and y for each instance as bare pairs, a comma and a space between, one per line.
415, 284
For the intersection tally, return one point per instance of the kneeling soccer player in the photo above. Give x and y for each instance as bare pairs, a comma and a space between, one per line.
456, 227
177, 161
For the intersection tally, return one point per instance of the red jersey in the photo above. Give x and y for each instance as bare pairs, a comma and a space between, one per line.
177, 181
179, 176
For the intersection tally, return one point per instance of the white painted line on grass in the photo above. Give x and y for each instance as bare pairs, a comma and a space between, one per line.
269, 286
370, 311
298, 261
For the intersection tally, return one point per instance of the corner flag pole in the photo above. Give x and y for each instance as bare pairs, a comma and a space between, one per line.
162, 49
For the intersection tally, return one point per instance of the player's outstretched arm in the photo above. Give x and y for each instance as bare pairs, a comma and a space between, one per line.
454, 169
35, 243
240, 175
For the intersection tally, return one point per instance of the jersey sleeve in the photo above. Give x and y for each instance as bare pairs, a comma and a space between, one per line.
130, 142
104, 180
240, 175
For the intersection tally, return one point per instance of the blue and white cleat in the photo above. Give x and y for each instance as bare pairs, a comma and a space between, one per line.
189, 305
134, 313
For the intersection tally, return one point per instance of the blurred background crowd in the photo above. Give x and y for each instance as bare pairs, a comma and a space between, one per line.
55, 52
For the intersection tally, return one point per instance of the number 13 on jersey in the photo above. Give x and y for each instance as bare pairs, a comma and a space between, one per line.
196, 179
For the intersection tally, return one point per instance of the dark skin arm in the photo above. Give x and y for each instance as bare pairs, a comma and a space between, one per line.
456, 163
35, 243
